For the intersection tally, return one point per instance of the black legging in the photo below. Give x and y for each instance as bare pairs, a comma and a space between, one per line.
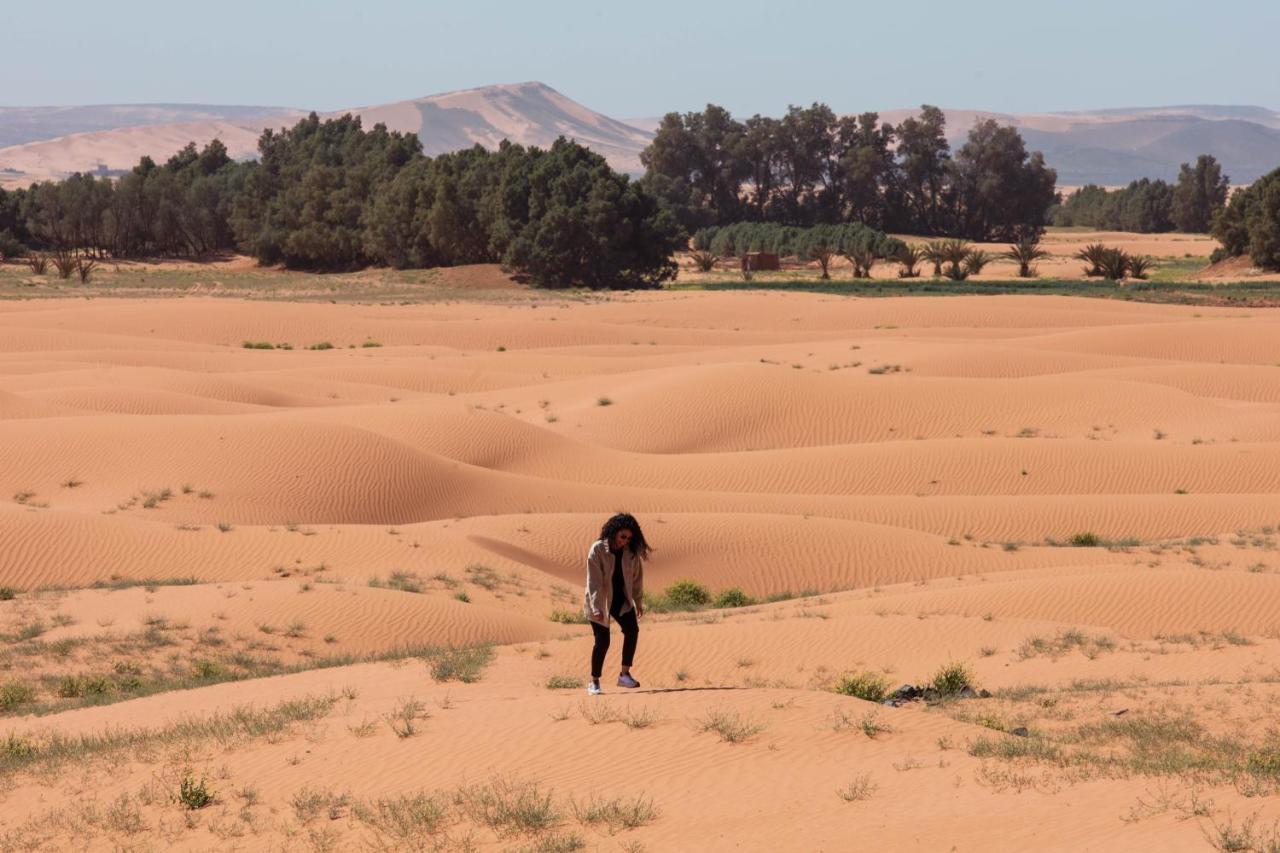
630, 633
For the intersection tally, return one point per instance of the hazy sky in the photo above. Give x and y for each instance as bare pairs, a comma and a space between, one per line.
645, 58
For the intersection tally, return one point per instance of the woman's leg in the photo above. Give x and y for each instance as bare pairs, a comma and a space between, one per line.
598, 650
630, 634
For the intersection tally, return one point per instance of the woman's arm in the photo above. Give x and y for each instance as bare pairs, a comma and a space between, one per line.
595, 581
637, 587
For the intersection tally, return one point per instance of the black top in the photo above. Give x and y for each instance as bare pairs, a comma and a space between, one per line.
618, 598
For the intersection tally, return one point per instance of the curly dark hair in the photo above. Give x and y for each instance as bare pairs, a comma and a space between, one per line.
626, 521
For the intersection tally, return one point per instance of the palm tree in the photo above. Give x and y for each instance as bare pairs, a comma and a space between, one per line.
1114, 264
1092, 254
1026, 252
911, 256
933, 254
975, 260
863, 259
954, 253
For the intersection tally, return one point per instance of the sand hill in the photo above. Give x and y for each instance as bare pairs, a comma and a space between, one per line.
251, 559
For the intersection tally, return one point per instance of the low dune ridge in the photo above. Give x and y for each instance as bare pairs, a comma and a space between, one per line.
338, 588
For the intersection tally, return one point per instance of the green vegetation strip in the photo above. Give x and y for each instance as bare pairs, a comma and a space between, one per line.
1251, 293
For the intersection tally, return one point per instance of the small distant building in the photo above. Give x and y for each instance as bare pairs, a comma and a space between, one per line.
760, 261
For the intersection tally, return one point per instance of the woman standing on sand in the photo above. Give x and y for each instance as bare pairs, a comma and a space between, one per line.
615, 589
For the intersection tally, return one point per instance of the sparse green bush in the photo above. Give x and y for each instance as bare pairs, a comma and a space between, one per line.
952, 678
733, 597
564, 682
14, 694
687, 594
1085, 540
465, 664
194, 795
509, 807
729, 725
864, 685
568, 617
616, 814
7, 593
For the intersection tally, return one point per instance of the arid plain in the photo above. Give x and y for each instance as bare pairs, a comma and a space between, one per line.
243, 569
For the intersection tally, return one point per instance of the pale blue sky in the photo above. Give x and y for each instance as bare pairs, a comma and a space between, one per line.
645, 58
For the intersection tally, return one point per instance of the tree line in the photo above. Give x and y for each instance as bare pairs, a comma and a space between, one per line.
329, 195
811, 167
1250, 223
1152, 207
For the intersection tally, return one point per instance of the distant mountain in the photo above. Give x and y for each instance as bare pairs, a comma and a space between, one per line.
34, 124
1113, 147
1109, 147
527, 113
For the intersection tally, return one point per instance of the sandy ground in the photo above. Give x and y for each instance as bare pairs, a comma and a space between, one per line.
902, 476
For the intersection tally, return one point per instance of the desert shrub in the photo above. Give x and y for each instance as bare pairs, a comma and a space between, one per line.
704, 260
568, 617
7, 593
617, 813
730, 726
192, 794
952, 678
509, 807
14, 694
38, 263
404, 819
864, 685
686, 594
733, 597
1085, 540
859, 789
64, 262
465, 664
85, 268
403, 719
564, 682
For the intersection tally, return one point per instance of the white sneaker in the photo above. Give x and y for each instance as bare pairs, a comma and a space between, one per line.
593, 689
625, 680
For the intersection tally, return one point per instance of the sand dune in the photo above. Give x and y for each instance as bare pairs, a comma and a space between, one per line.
906, 475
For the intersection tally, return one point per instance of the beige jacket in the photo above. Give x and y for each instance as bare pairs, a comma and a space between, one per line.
600, 581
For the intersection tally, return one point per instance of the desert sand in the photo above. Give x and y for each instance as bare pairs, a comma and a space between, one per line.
902, 476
